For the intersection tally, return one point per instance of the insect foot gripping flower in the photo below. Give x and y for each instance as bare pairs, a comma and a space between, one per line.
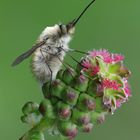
80, 98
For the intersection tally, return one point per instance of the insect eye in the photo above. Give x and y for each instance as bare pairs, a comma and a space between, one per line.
49, 47
60, 26
45, 38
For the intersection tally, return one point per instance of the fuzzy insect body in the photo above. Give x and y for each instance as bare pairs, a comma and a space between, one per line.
47, 59
50, 49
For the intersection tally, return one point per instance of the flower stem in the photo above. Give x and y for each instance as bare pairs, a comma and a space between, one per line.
43, 125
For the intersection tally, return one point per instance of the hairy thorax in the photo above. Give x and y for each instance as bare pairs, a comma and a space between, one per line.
48, 59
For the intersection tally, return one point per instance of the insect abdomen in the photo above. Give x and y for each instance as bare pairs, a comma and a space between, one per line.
45, 67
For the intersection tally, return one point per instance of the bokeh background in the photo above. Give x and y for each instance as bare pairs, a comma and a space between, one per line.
110, 24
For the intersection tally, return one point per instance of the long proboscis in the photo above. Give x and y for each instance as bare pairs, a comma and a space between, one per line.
83, 12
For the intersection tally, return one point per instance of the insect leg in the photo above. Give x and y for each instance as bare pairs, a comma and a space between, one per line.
50, 86
57, 55
65, 64
78, 51
75, 61
71, 56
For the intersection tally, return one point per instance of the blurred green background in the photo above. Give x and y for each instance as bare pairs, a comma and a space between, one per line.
110, 24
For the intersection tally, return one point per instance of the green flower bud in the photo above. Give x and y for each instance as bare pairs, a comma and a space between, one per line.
68, 75
80, 118
32, 119
98, 118
86, 103
81, 83
29, 107
109, 99
57, 88
63, 111
70, 95
46, 109
87, 128
67, 129
92, 88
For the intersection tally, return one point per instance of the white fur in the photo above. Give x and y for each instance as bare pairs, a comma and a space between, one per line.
39, 66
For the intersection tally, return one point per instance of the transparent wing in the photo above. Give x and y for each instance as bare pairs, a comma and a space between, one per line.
25, 55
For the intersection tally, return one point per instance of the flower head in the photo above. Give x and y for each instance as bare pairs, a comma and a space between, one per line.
106, 68
106, 56
107, 83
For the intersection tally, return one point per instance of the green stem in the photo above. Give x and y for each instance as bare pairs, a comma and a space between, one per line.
44, 124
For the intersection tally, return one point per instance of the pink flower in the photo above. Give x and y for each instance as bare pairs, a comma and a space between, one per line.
118, 103
107, 83
127, 89
117, 58
103, 53
107, 57
86, 64
89, 67
95, 70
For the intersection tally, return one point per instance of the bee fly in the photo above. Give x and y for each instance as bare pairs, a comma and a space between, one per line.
50, 49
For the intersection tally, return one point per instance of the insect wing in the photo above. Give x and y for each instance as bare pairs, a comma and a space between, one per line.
25, 55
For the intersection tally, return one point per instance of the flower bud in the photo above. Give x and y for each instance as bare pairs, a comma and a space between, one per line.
109, 99
98, 118
46, 109
80, 118
92, 88
32, 118
29, 107
63, 111
68, 75
70, 95
57, 88
81, 83
67, 129
87, 128
86, 103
